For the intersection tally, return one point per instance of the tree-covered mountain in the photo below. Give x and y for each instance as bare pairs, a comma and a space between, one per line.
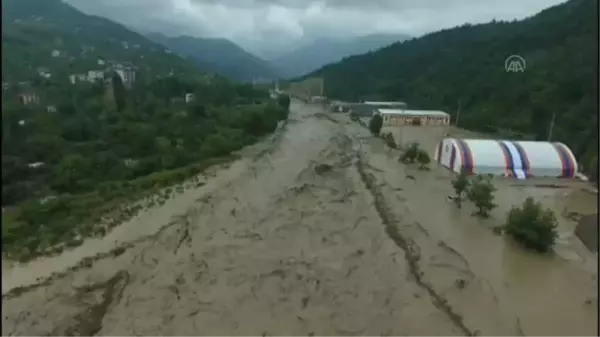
220, 55
74, 152
467, 64
52, 35
320, 52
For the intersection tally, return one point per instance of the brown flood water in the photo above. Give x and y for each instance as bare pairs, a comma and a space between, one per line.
272, 246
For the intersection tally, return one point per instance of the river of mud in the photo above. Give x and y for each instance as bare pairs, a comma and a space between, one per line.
316, 231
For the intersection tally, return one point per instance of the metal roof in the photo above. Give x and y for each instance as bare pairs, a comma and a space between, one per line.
413, 112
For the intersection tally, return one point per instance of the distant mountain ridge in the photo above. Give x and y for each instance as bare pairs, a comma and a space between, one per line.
53, 35
221, 55
321, 52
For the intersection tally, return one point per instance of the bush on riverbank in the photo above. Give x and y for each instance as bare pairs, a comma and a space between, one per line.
532, 226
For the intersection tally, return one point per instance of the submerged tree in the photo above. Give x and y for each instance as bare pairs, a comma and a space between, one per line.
481, 194
460, 185
411, 153
376, 124
423, 159
532, 226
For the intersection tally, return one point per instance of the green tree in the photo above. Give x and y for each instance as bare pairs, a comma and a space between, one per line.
460, 185
481, 193
411, 153
284, 101
389, 140
423, 159
119, 92
532, 226
376, 124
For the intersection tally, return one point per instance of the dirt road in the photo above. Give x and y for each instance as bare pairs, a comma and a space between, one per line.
318, 231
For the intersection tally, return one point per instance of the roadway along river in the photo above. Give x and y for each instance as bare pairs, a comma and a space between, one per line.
317, 230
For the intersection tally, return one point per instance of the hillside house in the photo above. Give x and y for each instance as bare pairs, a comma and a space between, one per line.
189, 98
44, 72
95, 75
55, 53
74, 78
101, 61
127, 74
29, 97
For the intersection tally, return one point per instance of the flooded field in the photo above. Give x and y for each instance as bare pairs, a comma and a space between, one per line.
317, 230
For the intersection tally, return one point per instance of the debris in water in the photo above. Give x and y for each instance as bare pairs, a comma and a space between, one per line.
408, 176
323, 168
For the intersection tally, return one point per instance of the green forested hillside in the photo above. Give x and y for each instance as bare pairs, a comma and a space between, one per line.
466, 63
74, 155
33, 29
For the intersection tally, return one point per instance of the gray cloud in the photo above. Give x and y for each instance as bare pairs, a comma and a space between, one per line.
261, 25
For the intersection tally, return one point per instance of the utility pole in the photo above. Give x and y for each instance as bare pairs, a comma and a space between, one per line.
551, 126
457, 113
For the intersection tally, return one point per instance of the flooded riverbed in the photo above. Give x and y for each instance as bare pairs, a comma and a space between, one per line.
316, 231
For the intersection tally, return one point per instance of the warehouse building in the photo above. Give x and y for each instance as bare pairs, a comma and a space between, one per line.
369, 108
395, 117
519, 159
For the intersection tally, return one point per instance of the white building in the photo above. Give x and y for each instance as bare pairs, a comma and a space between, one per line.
95, 75
519, 159
189, 98
127, 76
74, 78
395, 117
55, 53
44, 72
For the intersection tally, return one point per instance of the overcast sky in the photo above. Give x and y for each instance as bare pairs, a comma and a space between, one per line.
264, 26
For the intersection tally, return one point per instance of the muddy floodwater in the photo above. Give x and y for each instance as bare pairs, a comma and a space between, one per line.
316, 230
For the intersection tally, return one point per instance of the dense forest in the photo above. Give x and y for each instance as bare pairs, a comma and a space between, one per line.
466, 64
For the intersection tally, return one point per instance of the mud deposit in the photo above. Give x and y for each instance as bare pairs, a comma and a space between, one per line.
316, 231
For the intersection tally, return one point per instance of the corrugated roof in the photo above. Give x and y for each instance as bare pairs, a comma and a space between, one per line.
413, 112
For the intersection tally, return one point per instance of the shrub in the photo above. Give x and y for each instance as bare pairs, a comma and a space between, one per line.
532, 226
481, 194
410, 155
423, 159
376, 124
460, 184
389, 140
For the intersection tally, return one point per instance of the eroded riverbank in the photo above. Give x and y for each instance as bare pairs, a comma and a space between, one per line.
315, 232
